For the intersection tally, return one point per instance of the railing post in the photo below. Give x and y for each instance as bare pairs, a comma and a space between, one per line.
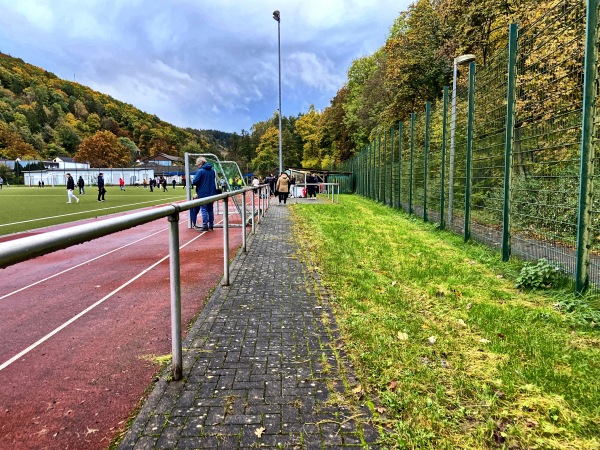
587, 149
426, 162
244, 221
443, 172
509, 139
254, 191
469, 150
225, 242
175, 280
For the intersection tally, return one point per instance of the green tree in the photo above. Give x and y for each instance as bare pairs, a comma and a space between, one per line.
267, 153
307, 127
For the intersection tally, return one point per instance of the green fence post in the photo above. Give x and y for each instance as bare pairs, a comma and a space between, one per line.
443, 172
391, 167
426, 162
378, 167
384, 165
400, 165
469, 151
412, 153
587, 149
373, 171
510, 138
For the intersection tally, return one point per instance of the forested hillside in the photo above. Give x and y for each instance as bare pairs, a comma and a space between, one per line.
42, 116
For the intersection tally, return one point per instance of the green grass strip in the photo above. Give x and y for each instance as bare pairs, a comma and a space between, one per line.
455, 354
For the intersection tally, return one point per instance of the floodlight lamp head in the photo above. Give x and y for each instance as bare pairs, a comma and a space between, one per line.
462, 59
276, 16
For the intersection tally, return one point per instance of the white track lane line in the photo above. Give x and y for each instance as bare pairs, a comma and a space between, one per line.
81, 264
88, 309
84, 212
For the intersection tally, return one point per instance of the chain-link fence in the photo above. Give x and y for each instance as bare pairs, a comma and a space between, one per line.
509, 160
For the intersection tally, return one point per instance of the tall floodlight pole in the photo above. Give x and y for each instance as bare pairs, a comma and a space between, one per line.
457, 61
277, 17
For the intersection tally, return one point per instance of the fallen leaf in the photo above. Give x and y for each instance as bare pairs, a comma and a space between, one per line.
531, 423
358, 391
394, 283
259, 431
380, 410
501, 335
461, 323
402, 336
484, 341
432, 340
392, 385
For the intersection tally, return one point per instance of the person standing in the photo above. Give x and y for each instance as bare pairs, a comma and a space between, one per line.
173, 183
272, 182
101, 190
80, 185
122, 184
292, 185
71, 188
311, 187
1, 181
205, 181
283, 187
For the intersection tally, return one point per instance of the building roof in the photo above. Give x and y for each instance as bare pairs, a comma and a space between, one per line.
163, 157
63, 159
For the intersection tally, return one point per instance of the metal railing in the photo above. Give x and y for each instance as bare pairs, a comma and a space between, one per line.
26, 248
328, 189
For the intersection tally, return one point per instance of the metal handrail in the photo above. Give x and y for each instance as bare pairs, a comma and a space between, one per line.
26, 248
329, 194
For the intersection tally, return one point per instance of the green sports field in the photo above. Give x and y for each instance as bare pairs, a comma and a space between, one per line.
25, 208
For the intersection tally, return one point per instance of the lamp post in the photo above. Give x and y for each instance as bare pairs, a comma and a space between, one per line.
277, 17
462, 59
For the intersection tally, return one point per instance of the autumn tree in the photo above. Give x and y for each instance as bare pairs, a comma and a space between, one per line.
103, 149
307, 127
12, 145
267, 152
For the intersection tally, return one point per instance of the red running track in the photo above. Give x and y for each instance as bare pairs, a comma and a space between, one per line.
108, 304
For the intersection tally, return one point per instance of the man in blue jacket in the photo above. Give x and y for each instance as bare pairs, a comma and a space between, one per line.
101, 190
205, 182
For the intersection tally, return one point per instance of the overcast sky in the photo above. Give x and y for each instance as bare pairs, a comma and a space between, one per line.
205, 64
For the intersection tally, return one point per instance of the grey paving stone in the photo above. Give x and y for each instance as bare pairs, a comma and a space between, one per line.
259, 357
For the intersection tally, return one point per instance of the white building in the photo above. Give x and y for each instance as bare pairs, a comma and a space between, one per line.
55, 172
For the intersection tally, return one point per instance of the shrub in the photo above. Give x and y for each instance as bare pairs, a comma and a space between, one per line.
539, 275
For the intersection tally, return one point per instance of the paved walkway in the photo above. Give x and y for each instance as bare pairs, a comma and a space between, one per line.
261, 366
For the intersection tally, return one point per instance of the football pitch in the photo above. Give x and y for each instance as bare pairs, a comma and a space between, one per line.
30, 208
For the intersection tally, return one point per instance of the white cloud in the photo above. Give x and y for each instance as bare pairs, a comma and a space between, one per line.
314, 72
202, 64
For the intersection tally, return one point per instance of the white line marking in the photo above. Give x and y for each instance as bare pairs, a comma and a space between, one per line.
82, 264
88, 309
86, 211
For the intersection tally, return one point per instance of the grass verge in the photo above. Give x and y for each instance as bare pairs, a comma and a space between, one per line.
456, 355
